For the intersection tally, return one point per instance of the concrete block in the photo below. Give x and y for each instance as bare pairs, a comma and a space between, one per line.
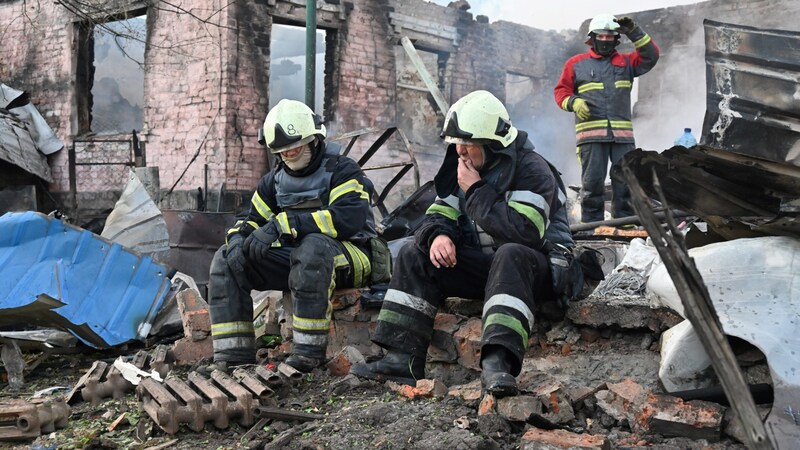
629, 313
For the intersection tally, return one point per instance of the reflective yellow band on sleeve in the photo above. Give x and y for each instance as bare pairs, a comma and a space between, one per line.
565, 104
644, 40
447, 211
532, 214
261, 206
347, 187
324, 222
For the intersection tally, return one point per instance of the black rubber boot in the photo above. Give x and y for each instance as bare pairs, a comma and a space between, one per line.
304, 364
396, 366
496, 375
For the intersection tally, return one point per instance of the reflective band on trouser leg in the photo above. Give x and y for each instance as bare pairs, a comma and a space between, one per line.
233, 341
405, 322
360, 264
508, 327
312, 281
231, 311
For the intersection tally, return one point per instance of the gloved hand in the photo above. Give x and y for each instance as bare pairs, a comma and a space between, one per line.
258, 243
626, 25
581, 108
234, 254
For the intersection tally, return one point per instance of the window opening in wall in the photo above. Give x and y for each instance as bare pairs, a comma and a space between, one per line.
111, 76
288, 64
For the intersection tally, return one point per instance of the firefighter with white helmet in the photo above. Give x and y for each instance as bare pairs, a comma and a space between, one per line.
596, 86
309, 228
498, 202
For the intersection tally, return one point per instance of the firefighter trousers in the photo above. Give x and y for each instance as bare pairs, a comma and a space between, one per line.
594, 168
509, 281
311, 270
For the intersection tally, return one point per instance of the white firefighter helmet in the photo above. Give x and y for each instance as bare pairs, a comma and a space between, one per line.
478, 117
291, 124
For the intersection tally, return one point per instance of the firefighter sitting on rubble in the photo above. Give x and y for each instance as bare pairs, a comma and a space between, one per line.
308, 230
497, 201
596, 86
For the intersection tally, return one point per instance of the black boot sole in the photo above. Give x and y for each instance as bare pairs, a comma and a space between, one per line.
361, 370
500, 385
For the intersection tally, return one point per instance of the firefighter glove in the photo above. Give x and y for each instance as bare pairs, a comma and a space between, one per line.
581, 108
258, 243
234, 255
626, 25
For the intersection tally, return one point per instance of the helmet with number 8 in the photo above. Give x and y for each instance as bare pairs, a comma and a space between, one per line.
291, 124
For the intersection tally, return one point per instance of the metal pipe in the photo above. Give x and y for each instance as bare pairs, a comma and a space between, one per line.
630, 220
311, 51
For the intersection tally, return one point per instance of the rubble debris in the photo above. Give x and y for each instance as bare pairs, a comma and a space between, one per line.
197, 401
760, 309
536, 438
14, 365
21, 419
269, 412
694, 295
648, 413
196, 343
71, 279
103, 380
132, 373
136, 222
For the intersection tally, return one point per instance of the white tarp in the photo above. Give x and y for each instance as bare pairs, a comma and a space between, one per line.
754, 285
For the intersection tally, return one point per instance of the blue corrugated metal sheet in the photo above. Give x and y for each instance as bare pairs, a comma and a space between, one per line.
57, 275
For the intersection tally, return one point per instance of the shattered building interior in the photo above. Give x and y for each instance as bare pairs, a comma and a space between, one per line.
176, 93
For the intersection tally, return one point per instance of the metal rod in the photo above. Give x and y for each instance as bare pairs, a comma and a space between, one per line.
311, 51
629, 220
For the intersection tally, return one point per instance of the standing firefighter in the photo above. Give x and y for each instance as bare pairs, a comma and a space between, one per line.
596, 86
308, 230
497, 201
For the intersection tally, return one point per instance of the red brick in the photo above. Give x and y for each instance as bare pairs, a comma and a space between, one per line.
519, 408
187, 351
488, 405
340, 364
469, 392
468, 344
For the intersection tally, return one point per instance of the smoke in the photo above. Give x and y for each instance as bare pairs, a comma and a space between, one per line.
533, 109
672, 96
